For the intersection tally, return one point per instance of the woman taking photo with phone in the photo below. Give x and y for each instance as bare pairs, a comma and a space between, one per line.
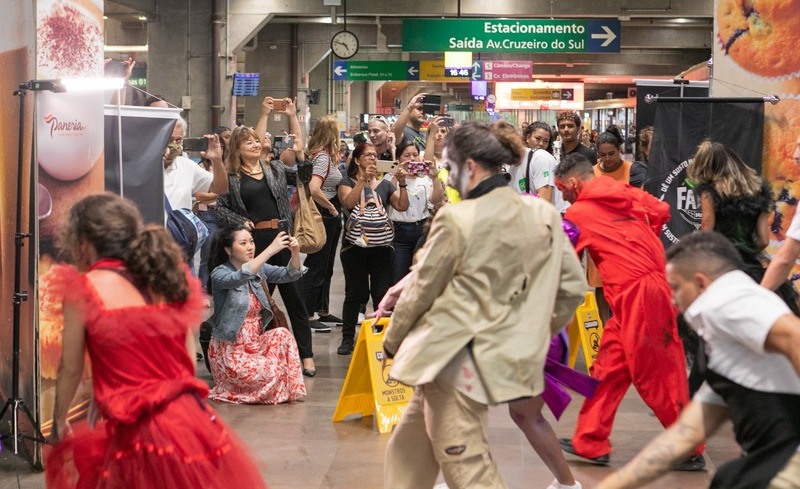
424, 193
367, 245
323, 146
258, 200
251, 363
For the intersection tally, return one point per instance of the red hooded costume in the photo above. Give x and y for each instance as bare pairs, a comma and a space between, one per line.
619, 226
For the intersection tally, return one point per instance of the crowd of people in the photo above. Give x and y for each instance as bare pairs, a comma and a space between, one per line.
478, 311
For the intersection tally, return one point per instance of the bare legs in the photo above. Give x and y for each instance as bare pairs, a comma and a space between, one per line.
527, 414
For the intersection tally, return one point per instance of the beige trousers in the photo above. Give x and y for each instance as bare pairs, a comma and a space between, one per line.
441, 429
789, 477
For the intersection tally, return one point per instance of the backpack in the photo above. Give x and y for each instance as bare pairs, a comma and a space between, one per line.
308, 227
186, 229
368, 225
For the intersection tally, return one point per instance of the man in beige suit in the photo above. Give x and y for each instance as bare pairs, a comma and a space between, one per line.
495, 280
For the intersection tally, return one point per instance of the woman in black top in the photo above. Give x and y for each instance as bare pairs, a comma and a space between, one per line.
736, 202
258, 200
367, 269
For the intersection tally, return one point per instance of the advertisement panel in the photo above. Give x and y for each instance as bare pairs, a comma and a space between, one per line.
760, 60
69, 143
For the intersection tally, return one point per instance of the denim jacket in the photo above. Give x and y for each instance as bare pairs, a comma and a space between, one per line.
231, 292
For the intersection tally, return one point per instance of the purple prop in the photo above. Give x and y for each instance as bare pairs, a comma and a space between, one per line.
571, 230
557, 374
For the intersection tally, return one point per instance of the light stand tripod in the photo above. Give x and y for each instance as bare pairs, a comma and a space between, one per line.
15, 404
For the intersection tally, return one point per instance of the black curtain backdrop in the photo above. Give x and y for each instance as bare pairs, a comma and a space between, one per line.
143, 142
679, 128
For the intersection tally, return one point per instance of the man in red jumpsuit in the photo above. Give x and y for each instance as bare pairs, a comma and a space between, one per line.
619, 226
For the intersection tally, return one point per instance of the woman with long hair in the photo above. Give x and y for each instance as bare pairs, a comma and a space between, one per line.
258, 200
424, 194
639, 167
323, 147
251, 363
736, 202
366, 262
131, 303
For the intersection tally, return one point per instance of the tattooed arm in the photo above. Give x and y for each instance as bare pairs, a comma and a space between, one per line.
697, 422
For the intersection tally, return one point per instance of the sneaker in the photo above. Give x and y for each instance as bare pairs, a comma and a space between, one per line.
566, 445
556, 485
329, 318
346, 346
695, 463
318, 327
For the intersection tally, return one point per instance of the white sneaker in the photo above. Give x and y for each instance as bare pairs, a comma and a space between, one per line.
443, 485
555, 485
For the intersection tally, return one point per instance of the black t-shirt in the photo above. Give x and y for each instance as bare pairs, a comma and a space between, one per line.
386, 155
587, 152
258, 199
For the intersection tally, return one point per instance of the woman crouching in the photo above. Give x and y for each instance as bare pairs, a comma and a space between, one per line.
251, 363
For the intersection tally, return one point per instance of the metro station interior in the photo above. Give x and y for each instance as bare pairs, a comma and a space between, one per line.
191, 52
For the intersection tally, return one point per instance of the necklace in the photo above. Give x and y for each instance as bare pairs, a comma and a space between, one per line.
259, 171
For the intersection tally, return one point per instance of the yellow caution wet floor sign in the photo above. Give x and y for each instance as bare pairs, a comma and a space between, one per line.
368, 387
585, 330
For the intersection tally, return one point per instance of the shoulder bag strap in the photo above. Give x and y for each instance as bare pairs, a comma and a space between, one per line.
528, 172
264, 286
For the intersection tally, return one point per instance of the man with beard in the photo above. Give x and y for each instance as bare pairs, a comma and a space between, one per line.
409, 123
381, 137
569, 128
619, 226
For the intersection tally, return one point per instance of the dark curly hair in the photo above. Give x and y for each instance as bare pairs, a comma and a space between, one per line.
114, 227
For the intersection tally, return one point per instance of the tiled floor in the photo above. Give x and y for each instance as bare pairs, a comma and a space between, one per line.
297, 445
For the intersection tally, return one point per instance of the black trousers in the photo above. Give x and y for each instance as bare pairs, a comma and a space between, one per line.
290, 293
367, 272
317, 280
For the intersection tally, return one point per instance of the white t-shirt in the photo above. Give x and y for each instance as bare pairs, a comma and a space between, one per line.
734, 316
794, 228
182, 179
419, 200
541, 174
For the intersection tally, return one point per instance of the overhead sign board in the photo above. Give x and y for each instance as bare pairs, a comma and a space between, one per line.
375, 70
512, 35
434, 71
506, 71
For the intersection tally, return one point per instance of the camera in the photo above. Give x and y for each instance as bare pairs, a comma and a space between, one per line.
278, 104
447, 121
195, 144
431, 104
417, 167
283, 142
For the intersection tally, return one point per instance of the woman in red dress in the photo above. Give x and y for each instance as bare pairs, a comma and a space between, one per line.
131, 304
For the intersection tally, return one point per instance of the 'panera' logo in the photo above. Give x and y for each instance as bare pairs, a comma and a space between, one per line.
67, 128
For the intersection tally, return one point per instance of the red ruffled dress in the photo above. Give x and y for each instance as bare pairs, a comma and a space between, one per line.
158, 430
257, 368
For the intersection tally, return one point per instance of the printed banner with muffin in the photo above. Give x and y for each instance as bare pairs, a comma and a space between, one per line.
69, 144
757, 53
17, 38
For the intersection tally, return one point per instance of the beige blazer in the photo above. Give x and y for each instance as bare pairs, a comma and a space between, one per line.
496, 273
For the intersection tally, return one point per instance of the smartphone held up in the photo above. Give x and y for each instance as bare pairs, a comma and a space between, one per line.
195, 144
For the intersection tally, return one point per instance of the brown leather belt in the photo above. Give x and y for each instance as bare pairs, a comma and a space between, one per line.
271, 224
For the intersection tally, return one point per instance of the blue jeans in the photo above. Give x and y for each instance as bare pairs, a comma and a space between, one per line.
406, 237
209, 218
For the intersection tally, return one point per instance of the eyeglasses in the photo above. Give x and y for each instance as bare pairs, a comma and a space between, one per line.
176, 139
369, 155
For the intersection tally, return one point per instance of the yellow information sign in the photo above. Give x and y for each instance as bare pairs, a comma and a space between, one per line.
586, 330
434, 71
523, 94
368, 387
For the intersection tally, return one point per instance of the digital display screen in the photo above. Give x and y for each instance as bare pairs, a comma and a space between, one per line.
246, 84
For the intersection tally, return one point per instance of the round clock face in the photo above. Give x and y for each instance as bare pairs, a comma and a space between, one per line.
344, 44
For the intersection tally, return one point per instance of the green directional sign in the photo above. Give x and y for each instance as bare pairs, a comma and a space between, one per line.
512, 35
375, 70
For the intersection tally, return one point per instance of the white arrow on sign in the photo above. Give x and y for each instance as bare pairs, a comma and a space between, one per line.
609, 36
340, 70
412, 71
